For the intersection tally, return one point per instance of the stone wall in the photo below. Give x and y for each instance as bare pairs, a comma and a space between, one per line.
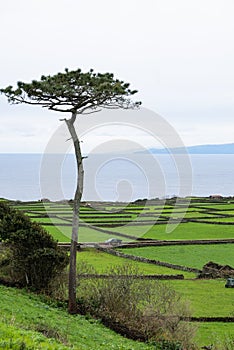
148, 261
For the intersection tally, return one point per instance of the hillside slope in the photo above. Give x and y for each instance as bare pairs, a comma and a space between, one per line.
26, 322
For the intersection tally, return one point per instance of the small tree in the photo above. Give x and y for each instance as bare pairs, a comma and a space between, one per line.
36, 258
76, 93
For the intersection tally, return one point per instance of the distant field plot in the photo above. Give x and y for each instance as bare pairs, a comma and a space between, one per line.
28, 208
61, 235
200, 204
191, 230
149, 218
217, 206
184, 231
55, 210
200, 214
102, 262
190, 215
106, 219
220, 219
49, 221
86, 234
195, 256
137, 209
226, 212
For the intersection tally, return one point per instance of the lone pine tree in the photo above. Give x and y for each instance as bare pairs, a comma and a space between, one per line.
76, 93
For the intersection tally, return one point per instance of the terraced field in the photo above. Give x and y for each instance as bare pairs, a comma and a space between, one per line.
200, 221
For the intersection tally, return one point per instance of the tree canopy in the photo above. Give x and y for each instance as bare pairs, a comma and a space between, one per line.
73, 91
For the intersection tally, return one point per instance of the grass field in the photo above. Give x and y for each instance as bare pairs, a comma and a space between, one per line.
183, 231
86, 234
214, 333
187, 255
102, 262
207, 298
229, 219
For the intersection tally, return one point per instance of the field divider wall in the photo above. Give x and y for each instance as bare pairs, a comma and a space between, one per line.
148, 261
142, 277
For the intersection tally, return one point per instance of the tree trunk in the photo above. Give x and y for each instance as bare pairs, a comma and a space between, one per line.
72, 305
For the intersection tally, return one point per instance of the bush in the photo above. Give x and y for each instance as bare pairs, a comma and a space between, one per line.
36, 258
140, 309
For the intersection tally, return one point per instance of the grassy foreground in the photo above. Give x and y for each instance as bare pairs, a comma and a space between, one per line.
28, 323
204, 220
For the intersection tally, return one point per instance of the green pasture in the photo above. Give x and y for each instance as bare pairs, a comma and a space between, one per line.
86, 234
195, 256
176, 208
217, 206
29, 208
52, 210
136, 209
199, 214
221, 219
115, 220
190, 215
102, 262
207, 298
93, 221
226, 212
104, 214
149, 220
190, 230
213, 333
60, 233
201, 203
182, 231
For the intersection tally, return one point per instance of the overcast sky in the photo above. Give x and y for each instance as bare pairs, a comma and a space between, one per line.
179, 55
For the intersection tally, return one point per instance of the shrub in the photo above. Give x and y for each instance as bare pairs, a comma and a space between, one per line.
140, 309
36, 258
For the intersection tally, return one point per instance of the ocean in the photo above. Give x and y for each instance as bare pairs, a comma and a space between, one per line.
113, 177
